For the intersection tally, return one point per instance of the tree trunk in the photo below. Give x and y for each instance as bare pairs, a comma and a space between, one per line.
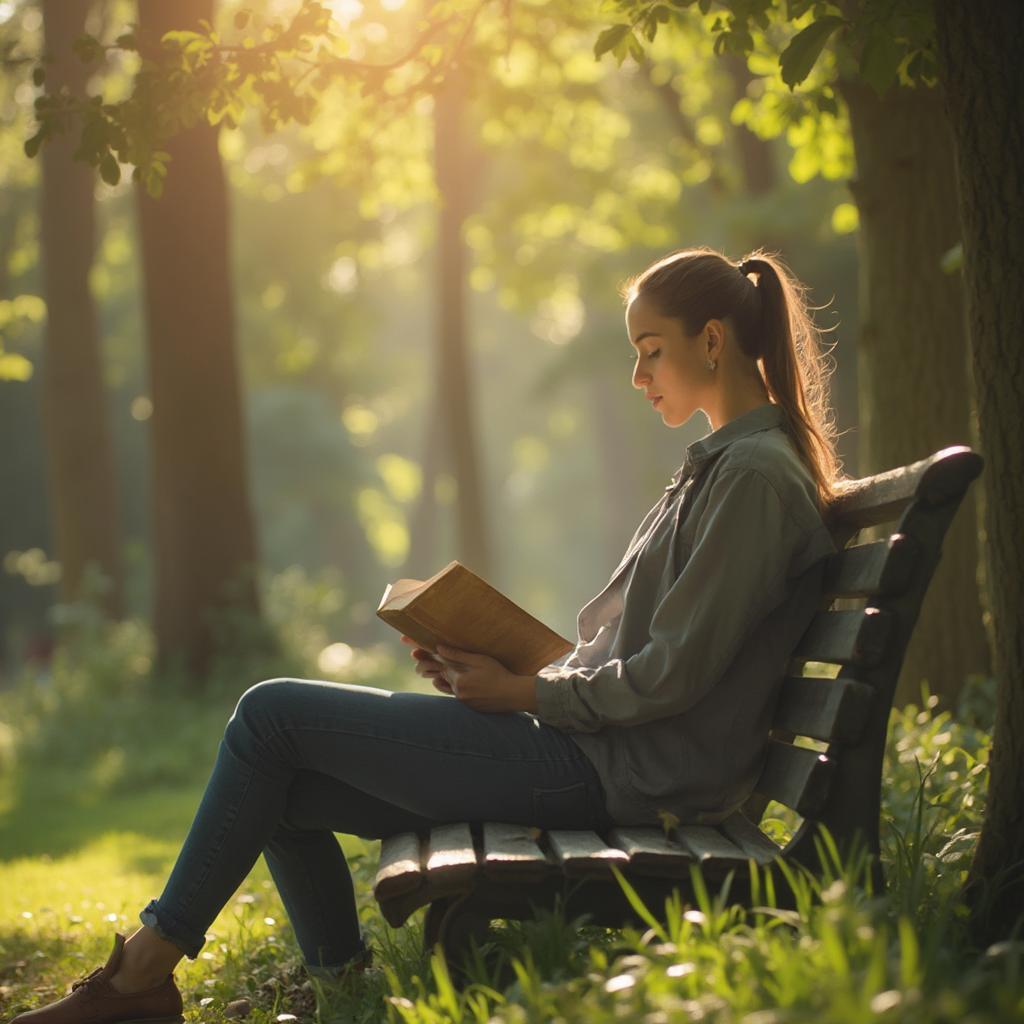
912, 354
980, 69
455, 183
80, 454
756, 156
203, 531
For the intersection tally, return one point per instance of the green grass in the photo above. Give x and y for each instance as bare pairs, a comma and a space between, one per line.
95, 799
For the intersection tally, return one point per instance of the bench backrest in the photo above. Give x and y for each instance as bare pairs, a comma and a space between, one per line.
881, 585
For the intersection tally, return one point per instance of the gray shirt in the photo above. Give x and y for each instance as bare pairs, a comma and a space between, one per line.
671, 687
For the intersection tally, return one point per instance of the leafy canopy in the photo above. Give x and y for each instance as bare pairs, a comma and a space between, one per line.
278, 68
882, 41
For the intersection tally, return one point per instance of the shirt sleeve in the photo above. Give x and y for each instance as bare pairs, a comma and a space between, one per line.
745, 547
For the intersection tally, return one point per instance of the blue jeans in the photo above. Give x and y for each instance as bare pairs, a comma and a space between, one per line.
301, 760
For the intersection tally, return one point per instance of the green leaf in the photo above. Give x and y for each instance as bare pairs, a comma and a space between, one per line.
242, 19
38, 75
880, 59
798, 59
32, 145
638, 905
110, 170
798, 8
610, 38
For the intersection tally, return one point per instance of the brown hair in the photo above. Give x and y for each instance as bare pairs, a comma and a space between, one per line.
772, 325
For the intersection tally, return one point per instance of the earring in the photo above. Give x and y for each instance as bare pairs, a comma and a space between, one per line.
711, 364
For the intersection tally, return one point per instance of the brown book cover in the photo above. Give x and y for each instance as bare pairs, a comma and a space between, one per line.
458, 608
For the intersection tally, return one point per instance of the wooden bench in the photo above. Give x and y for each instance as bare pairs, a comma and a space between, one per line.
471, 873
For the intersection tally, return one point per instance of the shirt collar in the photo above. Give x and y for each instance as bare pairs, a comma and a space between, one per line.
764, 417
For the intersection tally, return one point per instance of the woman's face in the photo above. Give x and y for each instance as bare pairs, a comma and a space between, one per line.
670, 366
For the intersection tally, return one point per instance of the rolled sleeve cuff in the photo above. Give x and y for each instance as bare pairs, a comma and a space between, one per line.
551, 701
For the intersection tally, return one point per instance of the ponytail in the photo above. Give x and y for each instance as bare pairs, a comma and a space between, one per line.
794, 368
768, 310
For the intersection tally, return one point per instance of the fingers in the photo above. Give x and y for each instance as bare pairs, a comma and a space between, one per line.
455, 658
428, 669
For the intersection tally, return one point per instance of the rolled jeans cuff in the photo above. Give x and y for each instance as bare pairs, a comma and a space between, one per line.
172, 930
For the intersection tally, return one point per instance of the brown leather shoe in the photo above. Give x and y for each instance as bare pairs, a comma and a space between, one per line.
93, 1000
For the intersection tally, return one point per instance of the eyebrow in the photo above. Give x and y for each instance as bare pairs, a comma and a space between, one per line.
646, 334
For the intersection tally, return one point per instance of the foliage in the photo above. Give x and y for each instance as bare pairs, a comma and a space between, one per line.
881, 40
190, 77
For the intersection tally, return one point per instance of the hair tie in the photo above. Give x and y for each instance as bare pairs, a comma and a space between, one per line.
745, 268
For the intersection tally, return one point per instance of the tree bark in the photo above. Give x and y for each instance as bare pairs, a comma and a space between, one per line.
455, 183
204, 534
912, 353
980, 71
80, 454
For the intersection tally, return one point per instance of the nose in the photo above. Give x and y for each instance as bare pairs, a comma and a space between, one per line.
640, 377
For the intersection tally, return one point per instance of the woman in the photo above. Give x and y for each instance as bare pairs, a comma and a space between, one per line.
663, 706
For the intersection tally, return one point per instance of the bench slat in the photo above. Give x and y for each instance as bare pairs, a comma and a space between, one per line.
750, 839
650, 850
400, 867
830, 710
846, 637
883, 497
584, 853
881, 568
510, 851
796, 777
708, 846
451, 858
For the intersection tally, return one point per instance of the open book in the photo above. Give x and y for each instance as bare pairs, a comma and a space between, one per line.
457, 607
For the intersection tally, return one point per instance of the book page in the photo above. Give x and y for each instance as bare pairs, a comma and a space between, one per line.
400, 588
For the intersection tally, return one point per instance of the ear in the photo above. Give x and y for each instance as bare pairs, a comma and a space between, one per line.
714, 333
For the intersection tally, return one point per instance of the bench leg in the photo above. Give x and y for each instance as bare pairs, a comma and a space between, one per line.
452, 923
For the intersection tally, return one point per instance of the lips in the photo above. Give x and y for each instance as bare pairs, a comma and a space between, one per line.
654, 400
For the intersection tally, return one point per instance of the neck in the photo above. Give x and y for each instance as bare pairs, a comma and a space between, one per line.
733, 402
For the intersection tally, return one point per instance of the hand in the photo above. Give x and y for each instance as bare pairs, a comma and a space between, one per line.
478, 681
484, 684
428, 666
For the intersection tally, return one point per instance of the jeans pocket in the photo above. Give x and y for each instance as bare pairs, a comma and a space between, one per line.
562, 806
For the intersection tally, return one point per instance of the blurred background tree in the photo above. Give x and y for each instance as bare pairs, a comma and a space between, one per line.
84, 505
203, 532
